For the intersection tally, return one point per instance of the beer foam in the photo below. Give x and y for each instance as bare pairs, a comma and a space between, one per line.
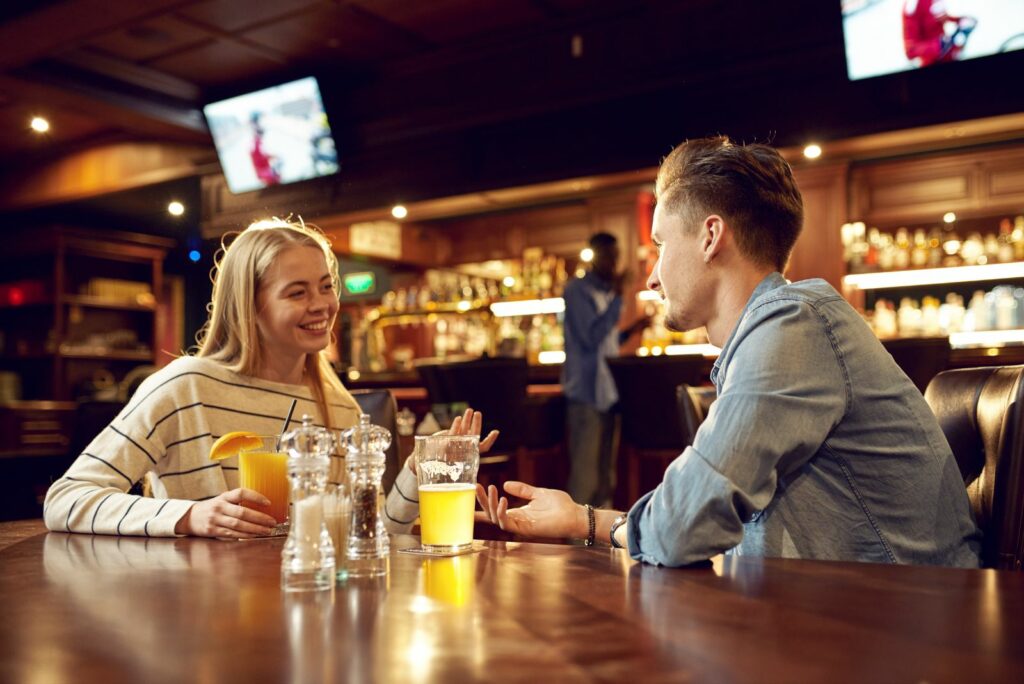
447, 487
437, 469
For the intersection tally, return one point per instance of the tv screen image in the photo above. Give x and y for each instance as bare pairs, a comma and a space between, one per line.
273, 136
886, 36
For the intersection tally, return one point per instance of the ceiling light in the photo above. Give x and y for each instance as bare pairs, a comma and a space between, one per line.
586, 255
39, 124
175, 208
399, 212
812, 151
949, 217
508, 281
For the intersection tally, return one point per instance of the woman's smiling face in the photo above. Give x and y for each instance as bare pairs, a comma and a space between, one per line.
296, 304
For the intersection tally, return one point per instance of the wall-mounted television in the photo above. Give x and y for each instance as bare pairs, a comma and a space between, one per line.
273, 136
886, 36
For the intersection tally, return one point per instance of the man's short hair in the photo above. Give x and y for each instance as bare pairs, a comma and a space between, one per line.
751, 186
602, 241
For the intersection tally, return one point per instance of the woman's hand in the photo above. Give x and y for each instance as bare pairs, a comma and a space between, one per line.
225, 516
549, 513
471, 423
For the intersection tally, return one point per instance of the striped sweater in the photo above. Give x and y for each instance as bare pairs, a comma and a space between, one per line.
166, 431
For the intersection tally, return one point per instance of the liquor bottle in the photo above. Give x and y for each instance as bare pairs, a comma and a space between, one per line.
886, 252
908, 318
1017, 237
1005, 308
885, 319
935, 252
871, 255
919, 252
991, 243
1006, 241
930, 316
901, 259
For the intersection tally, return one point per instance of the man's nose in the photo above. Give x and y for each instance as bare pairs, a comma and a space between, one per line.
652, 280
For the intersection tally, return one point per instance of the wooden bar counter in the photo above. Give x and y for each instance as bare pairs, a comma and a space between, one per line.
79, 608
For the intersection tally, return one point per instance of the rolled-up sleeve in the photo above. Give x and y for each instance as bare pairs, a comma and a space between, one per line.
784, 389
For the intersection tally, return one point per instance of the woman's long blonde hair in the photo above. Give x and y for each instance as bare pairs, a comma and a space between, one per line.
230, 336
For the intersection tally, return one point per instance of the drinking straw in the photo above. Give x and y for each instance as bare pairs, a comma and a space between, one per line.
287, 420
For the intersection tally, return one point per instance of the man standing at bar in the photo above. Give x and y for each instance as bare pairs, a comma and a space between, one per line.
818, 445
593, 305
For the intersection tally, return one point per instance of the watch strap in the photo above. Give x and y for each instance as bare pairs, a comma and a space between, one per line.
616, 524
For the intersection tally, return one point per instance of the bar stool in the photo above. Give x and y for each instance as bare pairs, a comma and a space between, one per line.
981, 412
652, 429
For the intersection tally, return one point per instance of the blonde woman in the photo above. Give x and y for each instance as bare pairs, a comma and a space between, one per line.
275, 298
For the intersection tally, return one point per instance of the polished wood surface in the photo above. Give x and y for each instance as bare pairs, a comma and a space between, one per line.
81, 608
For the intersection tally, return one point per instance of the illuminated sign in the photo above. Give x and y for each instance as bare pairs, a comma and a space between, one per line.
360, 283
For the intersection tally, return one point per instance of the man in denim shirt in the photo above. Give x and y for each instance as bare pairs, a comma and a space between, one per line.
818, 445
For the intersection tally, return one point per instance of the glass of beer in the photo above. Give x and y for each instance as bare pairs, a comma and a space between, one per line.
265, 470
446, 468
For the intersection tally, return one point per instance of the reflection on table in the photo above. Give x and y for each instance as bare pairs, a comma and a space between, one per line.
81, 608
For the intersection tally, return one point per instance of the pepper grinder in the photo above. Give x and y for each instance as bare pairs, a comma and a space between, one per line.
307, 560
368, 545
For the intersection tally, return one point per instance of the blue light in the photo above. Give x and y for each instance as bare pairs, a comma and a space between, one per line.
194, 255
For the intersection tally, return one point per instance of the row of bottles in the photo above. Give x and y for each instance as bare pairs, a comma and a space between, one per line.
537, 275
1002, 308
529, 336
866, 250
656, 337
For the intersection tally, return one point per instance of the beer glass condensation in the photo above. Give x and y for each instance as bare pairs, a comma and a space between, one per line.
446, 469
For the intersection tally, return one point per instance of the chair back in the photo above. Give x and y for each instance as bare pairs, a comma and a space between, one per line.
496, 387
380, 405
921, 358
693, 404
92, 416
981, 412
647, 398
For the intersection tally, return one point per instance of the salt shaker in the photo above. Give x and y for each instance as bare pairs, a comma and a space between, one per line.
307, 561
368, 545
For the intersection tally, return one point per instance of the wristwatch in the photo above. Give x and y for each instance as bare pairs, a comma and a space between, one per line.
616, 524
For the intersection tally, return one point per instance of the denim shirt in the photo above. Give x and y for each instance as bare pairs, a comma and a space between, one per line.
592, 311
818, 446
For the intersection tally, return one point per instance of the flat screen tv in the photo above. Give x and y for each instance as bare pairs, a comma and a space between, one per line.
273, 136
886, 36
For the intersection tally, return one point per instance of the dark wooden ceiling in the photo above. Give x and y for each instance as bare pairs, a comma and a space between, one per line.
438, 97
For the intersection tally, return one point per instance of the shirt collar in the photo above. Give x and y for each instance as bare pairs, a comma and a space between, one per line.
597, 281
770, 282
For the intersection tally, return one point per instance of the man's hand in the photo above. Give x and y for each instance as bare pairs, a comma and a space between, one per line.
549, 513
225, 516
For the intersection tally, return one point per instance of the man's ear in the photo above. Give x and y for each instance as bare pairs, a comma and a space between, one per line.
713, 236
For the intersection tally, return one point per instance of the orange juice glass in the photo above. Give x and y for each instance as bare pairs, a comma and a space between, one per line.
265, 470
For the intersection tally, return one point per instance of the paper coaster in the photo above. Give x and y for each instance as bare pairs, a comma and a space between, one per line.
420, 551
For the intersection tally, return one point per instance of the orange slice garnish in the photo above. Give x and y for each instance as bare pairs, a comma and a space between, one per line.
233, 442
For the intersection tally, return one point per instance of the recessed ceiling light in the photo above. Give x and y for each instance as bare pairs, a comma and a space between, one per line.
586, 255
949, 217
399, 212
812, 151
175, 208
39, 124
